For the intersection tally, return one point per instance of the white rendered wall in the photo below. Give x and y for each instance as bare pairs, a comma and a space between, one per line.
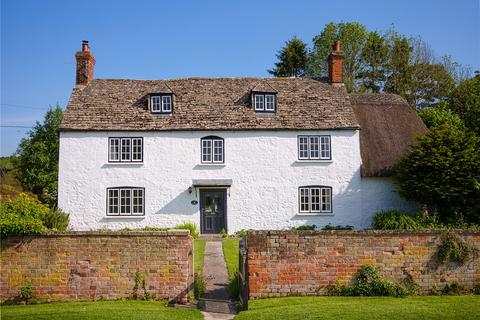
262, 164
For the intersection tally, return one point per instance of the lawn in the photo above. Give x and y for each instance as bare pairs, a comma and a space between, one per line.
142, 310
199, 254
368, 308
230, 253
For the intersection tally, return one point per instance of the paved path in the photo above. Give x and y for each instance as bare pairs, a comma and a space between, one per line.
217, 303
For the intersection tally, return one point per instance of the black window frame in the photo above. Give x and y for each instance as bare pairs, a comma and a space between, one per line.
310, 212
160, 95
131, 189
309, 158
212, 149
120, 150
264, 94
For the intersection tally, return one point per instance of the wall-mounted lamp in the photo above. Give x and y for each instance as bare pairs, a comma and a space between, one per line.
190, 189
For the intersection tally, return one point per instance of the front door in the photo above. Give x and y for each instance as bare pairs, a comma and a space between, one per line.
213, 210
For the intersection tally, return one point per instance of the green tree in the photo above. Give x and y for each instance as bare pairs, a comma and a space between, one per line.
442, 171
37, 161
292, 59
398, 68
434, 117
375, 58
352, 36
465, 102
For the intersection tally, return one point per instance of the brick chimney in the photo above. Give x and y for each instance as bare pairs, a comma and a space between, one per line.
335, 64
85, 64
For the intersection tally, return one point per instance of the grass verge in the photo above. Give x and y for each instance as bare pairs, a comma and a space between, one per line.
199, 254
368, 308
100, 310
230, 252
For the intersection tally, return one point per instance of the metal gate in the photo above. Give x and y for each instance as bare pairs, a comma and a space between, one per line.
243, 274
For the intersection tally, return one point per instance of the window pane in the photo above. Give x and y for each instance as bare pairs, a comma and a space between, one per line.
217, 150
315, 200
114, 149
113, 201
166, 104
125, 201
137, 149
314, 147
259, 102
126, 149
156, 104
326, 199
325, 147
270, 102
206, 150
137, 201
303, 147
304, 200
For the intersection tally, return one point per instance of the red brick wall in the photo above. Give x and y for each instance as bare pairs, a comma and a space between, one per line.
283, 263
94, 265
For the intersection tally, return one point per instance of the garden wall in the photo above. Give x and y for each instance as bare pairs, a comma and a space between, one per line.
287, 263
97, 265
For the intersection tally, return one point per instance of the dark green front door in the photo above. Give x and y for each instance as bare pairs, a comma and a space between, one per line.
213, 210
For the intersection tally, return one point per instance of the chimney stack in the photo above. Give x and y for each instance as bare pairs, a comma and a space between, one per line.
85, 64
335, 64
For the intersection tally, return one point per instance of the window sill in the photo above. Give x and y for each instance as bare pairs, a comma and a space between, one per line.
211, 165
124, 217
315, 214
123, 164
314, 161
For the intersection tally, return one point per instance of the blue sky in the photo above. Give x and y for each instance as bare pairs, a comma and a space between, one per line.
172, 39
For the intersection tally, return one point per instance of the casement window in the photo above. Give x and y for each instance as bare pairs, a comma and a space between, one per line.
161, 103
315, 199
125, 149
314, 148
212, 149
265, 102
125, 201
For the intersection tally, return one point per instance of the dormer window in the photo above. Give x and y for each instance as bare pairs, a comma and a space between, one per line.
265, 102
161, 103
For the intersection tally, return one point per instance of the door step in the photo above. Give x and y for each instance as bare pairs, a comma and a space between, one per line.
211, 237
217, 306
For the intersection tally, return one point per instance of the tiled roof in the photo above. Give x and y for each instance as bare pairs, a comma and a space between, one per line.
208, 104
388, 124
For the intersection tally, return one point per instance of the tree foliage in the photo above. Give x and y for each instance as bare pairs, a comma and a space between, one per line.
292, 59
375, 57
434, 117
465, 102
442, 171
37, 161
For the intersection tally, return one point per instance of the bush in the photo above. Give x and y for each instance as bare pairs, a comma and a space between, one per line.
304, 227
22, 216
454, 249
337, 227
234, 285
394, 220
26, 293
144, 229
367, 282
199, 286
191, 226
242, 233
56, 220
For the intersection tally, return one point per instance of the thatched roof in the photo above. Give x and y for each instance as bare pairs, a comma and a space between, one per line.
209, 104
387, 124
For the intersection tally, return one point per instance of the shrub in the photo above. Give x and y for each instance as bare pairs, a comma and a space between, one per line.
56, 220
234, 285
224, 233
392, 220
305, 227
454, 249
452, 289
191, 226
26, 293
22, 216
367, 282
242, 233
337, 227
199, 286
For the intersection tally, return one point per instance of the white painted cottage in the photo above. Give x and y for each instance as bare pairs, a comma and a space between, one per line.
229, 153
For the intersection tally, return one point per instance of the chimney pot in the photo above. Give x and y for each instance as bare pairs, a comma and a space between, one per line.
336, 46
85, 46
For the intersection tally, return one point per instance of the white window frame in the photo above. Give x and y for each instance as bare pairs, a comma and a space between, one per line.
161, 103
262, 102
212, 150
315, 200
318, 147
133, 199
134, 153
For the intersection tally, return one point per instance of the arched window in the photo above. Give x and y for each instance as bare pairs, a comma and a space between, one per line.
212, 149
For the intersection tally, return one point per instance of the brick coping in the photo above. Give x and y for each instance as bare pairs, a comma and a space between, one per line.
169, 233
365, 232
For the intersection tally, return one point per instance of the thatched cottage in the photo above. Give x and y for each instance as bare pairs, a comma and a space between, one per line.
229, 153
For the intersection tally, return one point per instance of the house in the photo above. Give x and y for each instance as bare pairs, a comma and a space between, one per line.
229, 153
